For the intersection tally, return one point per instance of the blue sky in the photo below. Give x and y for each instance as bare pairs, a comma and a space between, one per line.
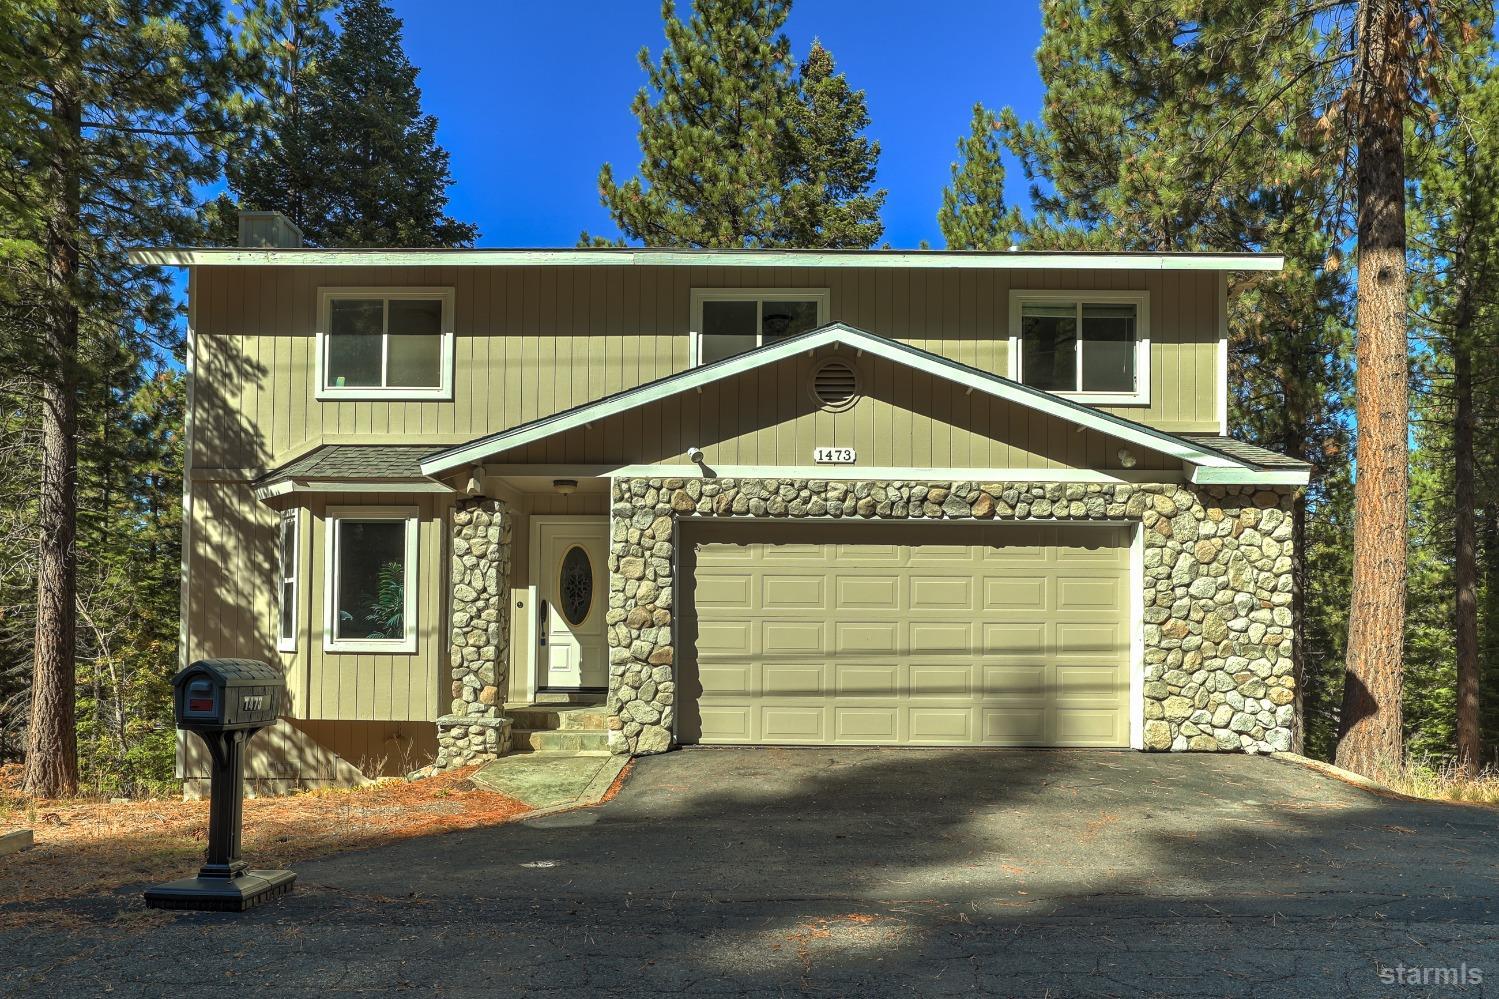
532, 98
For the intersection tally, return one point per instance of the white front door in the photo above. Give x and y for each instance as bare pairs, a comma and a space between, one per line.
572, 588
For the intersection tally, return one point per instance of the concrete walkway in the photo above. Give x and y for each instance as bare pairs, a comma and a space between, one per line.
551, 780
853, 872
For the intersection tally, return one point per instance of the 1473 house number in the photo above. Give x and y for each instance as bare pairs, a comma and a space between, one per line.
833, 455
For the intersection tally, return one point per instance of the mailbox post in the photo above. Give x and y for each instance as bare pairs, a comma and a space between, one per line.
225, 701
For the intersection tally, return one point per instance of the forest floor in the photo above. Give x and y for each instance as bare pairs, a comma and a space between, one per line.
86, 845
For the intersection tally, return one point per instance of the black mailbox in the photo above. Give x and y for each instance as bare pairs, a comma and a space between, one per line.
225, 695
225, 701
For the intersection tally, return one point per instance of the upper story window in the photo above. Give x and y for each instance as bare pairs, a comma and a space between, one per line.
385, 343
729, 321
1089, 346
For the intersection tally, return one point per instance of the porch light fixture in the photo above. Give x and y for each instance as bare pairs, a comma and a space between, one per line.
1126, 458
565, 487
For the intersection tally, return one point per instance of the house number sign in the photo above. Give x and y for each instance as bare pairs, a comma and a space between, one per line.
833, 455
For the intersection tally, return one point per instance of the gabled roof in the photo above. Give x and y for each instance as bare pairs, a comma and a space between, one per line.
173, 256
1200, 455
350, 468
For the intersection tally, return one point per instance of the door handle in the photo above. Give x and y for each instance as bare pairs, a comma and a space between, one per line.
541, 622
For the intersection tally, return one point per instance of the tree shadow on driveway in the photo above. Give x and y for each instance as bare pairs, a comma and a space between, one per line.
867, 872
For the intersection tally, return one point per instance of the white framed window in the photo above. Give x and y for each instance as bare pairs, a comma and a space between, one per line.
730, 321
1091, 346
288, 543
385, 343
370, 579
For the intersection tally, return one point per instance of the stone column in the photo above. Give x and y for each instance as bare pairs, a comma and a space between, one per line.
474, 729
641, 688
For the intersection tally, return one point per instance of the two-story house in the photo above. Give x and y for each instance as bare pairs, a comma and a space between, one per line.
730, 497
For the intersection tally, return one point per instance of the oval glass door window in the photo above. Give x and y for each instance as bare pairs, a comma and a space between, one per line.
576, 585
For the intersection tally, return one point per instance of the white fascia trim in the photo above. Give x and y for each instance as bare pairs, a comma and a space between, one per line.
910, 259
287, 487
841, 472
1221, 383
837, 334
411, 516
1250, 476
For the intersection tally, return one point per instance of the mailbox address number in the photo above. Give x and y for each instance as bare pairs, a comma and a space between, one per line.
253, 702
833, 455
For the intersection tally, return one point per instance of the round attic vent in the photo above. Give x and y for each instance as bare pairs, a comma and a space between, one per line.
835, 384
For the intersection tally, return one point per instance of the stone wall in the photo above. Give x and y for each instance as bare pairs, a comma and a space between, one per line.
479, 636
1217, 596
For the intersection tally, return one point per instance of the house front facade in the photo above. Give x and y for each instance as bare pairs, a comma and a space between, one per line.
733, 497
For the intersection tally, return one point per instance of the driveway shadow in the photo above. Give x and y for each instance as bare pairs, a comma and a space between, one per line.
878, 872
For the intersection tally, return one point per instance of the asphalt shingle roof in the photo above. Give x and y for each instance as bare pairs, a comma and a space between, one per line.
353, 462
1244, 451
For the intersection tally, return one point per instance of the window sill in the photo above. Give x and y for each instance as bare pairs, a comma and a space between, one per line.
405, 647
287, 645
385, 394
1105, 398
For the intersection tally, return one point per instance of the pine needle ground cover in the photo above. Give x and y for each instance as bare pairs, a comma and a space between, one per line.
85, 846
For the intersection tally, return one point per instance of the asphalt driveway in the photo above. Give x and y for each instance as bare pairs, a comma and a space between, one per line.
855, 872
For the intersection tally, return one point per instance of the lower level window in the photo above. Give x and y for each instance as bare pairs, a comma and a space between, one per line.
371, 580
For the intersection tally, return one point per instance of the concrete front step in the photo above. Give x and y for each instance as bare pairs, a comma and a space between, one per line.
560, 717
523, 740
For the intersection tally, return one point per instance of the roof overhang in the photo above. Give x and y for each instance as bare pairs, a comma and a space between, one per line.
1196, 458
287, 487
631, 257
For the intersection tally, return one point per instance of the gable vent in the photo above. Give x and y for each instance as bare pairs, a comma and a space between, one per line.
835, 384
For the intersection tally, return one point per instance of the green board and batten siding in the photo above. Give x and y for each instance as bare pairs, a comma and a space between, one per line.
533, 341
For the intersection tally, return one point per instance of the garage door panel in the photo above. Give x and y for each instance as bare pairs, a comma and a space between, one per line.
793, 681
1021, 639
857, 592
1009, 592
936, 637
1017, 682
785, 590
867, 724
1015, 727
793, 637
1010, 638
867, 681
942, 681
791, 723
942, 725
865, 637
1089, 727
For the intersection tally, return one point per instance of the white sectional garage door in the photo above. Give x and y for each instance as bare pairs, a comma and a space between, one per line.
920, 635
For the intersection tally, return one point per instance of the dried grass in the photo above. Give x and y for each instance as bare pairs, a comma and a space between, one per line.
85, 846
1443, 781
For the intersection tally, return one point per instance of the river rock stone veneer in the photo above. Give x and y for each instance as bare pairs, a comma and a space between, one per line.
474, 728
1217, 607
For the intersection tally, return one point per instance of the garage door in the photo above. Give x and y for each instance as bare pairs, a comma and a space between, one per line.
906, 635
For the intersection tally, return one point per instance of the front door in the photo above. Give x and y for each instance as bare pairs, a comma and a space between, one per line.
572, 585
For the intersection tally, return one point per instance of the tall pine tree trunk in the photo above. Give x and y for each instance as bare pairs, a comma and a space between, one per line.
1465, 536
1370, 737
51, 738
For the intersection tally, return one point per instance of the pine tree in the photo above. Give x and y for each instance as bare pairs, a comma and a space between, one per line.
740, 149
344, 149
128, 107
973, 214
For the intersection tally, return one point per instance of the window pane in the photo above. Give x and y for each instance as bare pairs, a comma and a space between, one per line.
288, 615
414, 361
416, 315
371, 596
782, 319
1108, 348
356, 315
1048, 347
729, 317
288, 546
716, 348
